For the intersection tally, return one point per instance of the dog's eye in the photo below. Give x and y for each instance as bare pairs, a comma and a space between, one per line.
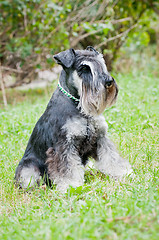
109, 84
84, 68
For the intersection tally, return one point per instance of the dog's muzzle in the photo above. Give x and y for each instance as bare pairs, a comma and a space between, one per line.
99, 95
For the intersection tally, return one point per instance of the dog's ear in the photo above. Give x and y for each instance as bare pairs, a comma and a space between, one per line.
92, 49
65, 58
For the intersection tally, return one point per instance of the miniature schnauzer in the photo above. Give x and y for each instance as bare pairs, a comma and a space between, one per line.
72, 128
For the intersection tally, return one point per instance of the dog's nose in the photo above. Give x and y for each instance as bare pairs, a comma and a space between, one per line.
109, 81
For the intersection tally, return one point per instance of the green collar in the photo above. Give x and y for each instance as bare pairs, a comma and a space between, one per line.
66, 93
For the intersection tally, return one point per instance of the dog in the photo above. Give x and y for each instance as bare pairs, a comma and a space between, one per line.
72, 128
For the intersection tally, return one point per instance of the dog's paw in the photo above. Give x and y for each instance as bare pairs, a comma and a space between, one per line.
62, 186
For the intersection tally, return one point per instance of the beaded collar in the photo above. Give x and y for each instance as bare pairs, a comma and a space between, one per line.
66, 93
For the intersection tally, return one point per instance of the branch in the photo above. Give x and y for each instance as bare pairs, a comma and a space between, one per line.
74, 43
12, 70
20, 82
121, 20
156, 10
4, 32
152, 5
116, 37
82, 11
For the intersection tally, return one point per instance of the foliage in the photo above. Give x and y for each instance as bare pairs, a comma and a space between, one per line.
102, 208
32, 31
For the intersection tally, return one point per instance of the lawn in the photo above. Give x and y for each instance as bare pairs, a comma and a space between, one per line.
102, 208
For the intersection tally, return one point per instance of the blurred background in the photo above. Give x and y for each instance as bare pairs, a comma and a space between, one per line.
125, 31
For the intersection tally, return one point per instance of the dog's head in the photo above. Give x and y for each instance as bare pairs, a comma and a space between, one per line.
85, 76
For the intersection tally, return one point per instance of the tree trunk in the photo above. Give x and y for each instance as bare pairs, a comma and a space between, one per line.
2, 87
157, 44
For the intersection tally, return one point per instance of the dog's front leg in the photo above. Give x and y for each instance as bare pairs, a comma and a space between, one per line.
65, 168
109, 161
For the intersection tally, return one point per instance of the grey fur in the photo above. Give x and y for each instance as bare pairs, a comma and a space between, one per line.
70, 131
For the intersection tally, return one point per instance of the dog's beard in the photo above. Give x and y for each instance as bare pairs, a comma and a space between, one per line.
94, 100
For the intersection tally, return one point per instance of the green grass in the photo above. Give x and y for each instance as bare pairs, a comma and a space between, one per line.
102, 208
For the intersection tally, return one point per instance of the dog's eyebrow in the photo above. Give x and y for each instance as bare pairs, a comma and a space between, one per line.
82, 65
88, 63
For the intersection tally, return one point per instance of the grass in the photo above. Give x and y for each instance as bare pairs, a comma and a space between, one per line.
102, 208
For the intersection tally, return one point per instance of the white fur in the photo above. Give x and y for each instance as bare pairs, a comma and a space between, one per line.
97, 100
78, 126
90, 64
73, 177
101, 124
75, 127
109, 160
29, 177
77, 82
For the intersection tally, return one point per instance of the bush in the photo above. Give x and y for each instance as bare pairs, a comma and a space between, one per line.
32, 31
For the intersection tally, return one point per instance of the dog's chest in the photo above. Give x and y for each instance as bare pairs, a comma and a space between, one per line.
84, 132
